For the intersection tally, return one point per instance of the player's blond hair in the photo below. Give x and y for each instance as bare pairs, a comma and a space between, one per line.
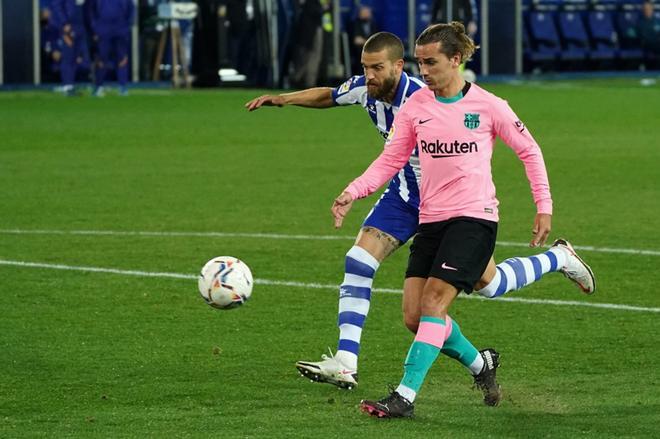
452, 38
385, 40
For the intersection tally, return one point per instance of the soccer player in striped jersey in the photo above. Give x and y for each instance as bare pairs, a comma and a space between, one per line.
381, 91
453, 125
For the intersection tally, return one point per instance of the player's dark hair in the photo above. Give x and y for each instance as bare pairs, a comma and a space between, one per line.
385, 40
452, 38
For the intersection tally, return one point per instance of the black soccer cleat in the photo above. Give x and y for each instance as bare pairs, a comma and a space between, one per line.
485, 380
392, 406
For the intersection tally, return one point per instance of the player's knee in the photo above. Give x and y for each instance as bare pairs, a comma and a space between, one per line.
411, 323
378, 243
411, 316
481, 284
369, 243
437, 297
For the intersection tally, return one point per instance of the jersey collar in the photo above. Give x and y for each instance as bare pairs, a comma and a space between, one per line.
456, 98
400, 90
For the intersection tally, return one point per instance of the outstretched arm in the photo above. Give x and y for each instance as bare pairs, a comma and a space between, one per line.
318, 97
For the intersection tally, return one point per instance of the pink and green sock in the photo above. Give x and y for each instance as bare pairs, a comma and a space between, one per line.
433, 337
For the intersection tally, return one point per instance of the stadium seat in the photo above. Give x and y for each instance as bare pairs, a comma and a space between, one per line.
574, 36
547, 5
626, 26
603, 35
609, 5
544, 44
626, 23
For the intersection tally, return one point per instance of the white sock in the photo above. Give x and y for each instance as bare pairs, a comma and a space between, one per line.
354, 302
477, 365
516, 273
406, 392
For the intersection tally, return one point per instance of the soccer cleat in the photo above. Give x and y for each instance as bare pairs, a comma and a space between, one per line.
392, 406
486, 381
123, 91
330, 370
99, 92
576, 269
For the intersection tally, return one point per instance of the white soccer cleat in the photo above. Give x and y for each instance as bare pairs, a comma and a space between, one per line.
576, 269
330, 370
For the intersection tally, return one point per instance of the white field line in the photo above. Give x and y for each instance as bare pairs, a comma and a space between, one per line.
318, 286
630, 251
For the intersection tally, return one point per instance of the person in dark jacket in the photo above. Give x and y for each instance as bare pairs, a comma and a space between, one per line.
111, 22
464, 11
648, 28
308, 50
359, 31
69, 17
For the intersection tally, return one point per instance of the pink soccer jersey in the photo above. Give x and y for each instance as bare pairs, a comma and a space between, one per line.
455, 142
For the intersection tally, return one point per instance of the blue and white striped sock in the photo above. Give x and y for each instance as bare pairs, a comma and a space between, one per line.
516, 273
354, 301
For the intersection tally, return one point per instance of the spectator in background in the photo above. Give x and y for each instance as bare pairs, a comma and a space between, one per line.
111, 22
68, 16
649, 34
239, 34
307, 53
50, 45
150, 28
326, 66
464, 11
359, 30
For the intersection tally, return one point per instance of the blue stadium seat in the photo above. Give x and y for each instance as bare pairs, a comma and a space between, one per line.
630, 4
548, 5
603, 35
544, 41
608, 4
626, 25
574, 36
575, 5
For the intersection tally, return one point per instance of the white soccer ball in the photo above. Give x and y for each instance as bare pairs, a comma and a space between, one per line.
225, 282
469, 75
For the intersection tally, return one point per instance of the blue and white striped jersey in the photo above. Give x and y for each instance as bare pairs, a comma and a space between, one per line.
354, 91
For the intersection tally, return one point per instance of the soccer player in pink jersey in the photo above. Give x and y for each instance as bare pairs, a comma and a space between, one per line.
381, 91
453, 124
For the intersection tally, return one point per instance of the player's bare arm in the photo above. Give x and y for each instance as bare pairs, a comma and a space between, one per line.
317, 97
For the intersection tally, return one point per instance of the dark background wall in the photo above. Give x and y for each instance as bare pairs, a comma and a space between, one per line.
501, 36
18, 41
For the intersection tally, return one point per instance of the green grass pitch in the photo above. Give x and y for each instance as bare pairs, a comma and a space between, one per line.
97, 354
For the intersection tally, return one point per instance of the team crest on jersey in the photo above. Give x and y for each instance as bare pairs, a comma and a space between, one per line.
390, 135
345, 86
471, 120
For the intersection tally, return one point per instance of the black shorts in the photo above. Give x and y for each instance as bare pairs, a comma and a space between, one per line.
456, 251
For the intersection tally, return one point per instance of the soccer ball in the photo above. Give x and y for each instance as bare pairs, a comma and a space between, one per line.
225, 282
469, 75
